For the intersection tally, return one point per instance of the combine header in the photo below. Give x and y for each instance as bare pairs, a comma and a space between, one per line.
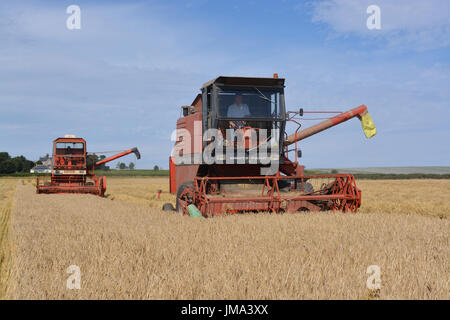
72, 166
232, 151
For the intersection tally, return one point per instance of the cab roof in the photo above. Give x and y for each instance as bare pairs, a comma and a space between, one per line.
246, 81
69, 140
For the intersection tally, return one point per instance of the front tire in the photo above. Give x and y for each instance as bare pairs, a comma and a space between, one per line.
185, 192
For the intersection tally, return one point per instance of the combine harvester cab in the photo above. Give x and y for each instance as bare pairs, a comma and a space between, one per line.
73, 169
231, 153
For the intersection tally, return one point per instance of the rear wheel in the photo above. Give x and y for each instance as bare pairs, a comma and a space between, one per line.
168, 207
307, 187
284, 186
185, 197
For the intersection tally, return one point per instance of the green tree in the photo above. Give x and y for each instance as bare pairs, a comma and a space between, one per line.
7, 166
102, 166
122, 166
19, 163
16, 164
155, 168
131, 166
4, 156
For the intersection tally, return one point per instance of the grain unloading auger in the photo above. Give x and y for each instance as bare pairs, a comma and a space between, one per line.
73, 169
247, 118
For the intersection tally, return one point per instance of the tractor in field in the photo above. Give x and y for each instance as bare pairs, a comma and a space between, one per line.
73, 168
231, 153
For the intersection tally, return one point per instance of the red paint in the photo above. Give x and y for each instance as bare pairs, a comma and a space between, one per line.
206, 193
71, 172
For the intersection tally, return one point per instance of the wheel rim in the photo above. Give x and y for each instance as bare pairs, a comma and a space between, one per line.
186, 198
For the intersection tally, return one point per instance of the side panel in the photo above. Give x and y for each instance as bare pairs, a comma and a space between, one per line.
172, 174
193, 125
185, 173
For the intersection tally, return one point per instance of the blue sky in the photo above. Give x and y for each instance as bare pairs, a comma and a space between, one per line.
119, 81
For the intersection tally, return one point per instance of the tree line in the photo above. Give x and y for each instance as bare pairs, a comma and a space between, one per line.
131, 166
123, 166
14, 165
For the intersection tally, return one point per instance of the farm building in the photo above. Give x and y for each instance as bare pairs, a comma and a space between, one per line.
46, 160
41, 169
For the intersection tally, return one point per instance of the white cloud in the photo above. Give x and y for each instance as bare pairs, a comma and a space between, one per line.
417, 24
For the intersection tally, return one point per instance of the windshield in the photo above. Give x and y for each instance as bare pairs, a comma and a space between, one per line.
250, 104
70, 145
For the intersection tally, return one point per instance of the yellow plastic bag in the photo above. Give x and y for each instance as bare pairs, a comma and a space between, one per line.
368, 126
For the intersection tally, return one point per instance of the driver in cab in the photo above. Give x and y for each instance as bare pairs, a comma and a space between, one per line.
238, 110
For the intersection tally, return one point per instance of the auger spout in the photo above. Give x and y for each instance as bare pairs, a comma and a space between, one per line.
119, 155
360, 112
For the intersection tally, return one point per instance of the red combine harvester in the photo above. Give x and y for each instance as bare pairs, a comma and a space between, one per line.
72, 166
248, 179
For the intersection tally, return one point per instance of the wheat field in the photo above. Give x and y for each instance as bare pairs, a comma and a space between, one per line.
7, 190
127, 248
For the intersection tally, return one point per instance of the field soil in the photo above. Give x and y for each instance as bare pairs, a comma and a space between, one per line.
127, 248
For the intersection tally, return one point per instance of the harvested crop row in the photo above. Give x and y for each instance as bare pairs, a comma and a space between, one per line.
7, 188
